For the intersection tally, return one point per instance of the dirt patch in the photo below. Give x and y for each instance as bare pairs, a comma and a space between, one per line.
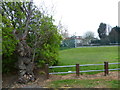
10, 80
41, 81
112, 75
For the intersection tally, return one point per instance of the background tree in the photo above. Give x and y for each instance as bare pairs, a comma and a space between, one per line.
63, 30
88, 36
103, 33
102, 30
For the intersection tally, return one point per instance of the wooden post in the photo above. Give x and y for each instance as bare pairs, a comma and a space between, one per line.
106, 68
77, 69
47, 71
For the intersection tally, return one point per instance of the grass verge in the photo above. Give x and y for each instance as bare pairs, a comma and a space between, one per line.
74, 83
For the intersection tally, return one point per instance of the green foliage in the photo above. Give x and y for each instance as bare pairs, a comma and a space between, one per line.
88, 37
113, 36
8, 46
8, 42
42, 36
102, 30
48, 45
9, 63
12, 19
103, 34
44, 39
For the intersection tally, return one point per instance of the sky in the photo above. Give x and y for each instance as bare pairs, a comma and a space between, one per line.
80, 16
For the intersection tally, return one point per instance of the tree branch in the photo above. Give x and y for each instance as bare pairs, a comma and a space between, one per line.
27, 20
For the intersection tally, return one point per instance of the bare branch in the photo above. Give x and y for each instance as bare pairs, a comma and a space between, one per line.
25, 7
27, 21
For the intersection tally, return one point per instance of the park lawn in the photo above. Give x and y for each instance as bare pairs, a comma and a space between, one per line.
87, 55
86, 83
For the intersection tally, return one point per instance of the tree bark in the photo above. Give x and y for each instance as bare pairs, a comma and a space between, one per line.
25, 63
20, 31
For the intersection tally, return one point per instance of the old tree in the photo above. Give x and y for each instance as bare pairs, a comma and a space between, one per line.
30, 35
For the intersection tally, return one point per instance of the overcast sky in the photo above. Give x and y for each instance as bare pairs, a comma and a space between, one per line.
80, 16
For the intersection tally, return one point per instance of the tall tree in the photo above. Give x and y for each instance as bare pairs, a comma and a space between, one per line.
34, 37
20, 13
102, 30
103, 33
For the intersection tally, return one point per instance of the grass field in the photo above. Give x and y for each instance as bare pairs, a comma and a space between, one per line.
87, 55
74, 83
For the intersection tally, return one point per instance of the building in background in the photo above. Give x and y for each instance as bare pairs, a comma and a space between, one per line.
73, 41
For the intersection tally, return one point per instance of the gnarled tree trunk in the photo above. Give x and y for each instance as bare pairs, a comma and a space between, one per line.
25, 63
20, 16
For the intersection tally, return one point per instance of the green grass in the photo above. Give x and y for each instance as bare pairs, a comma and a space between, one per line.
87, 55
75, 83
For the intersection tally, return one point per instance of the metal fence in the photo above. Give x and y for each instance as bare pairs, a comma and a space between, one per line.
106, 69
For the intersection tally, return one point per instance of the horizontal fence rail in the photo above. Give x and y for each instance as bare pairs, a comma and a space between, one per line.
82, 71
79, 65
113, 63
90, 64
114, 69
106, 70
62, 66
63, 72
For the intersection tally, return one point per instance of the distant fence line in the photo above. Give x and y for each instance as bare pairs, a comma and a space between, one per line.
106, 70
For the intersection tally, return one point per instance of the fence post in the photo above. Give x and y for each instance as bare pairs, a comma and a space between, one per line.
47, 70
106, 68
77, 69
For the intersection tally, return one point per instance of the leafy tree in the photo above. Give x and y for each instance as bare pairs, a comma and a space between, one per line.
47, 43
8, 37
44, 38
31, 35
88, 36
103, 33
20, 14
102, 30
8, 45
